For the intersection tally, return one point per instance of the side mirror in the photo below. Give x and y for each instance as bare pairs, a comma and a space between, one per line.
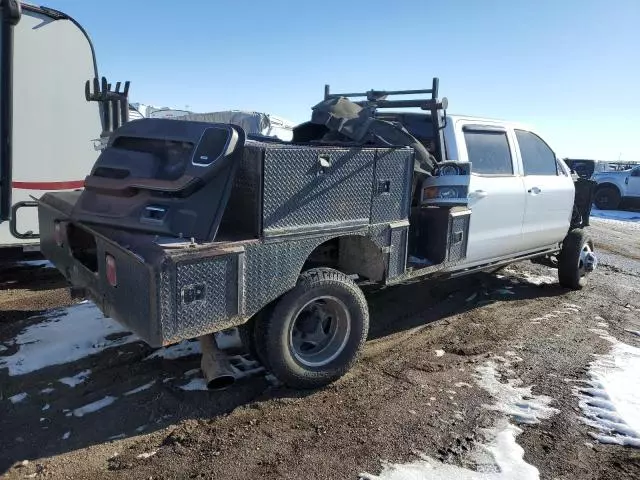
11, 11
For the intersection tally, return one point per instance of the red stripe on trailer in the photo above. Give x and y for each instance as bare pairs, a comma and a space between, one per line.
69, 185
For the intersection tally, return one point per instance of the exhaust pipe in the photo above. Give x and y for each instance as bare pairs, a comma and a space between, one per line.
215, 364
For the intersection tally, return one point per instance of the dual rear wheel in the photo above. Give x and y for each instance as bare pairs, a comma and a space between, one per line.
312, 335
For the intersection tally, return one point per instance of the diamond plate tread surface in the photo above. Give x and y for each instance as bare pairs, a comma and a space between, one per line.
167, 304
272, 268
459, 251
394, 166
296, 194
398, 254
220, 277
242, 213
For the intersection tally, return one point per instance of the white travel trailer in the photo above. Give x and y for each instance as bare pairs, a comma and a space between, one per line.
48, 127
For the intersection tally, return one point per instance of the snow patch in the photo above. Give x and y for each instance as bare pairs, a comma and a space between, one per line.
18, 397
610, 402
635, 332
512, 399
439, 353
47, 390
66, 435
567, 309
462, 384
141, 388
498, 457
195, 384
77, 379
619, 215
80, 331
504, 291
147, 454
537, 279
46, 407
94, 406
179, 350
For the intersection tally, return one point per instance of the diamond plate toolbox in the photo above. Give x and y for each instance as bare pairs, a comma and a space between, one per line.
314, 188
392, 185
199, 296
458, 235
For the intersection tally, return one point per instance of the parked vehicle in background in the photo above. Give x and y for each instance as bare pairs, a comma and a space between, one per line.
618, 182
616, 188
253, 123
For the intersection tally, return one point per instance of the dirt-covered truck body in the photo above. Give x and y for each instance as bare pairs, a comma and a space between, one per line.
188, 228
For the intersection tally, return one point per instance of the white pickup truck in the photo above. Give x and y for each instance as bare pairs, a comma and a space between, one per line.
617, 187
215, 229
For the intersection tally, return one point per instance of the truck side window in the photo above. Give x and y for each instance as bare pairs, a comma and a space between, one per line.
537, 157
488, 152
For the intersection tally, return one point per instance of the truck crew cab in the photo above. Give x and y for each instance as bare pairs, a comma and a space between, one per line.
215, 229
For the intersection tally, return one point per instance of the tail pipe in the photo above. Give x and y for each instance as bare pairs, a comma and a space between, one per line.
215, 364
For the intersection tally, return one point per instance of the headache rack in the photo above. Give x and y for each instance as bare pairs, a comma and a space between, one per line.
378, 99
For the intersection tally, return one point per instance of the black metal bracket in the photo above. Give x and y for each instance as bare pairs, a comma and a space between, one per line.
13, 223
378, 99
114, 103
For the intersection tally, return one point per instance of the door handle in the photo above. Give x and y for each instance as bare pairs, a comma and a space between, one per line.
534, 190
478, 194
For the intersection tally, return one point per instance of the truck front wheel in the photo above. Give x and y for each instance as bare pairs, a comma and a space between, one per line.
577, 259
316, 330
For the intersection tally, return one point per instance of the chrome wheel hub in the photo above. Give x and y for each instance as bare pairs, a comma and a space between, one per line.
320, 331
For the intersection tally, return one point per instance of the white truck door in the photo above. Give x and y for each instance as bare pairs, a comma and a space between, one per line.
633, 183
496, 192
549, 193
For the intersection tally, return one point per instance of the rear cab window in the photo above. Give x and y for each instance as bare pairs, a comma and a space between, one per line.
488, 151
537, 156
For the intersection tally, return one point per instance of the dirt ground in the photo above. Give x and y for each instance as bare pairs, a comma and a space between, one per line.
402, 397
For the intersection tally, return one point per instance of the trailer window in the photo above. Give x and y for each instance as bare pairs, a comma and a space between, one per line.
489, 152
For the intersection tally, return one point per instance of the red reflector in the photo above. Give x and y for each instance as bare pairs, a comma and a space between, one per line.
57, 233
112, 276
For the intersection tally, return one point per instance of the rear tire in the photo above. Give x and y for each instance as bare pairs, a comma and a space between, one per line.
607, 198
316, 330
252, 335
571, 265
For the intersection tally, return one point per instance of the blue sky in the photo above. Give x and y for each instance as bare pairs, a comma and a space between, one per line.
569, 67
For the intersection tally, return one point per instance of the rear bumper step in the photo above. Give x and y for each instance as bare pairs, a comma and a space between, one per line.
161, 295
